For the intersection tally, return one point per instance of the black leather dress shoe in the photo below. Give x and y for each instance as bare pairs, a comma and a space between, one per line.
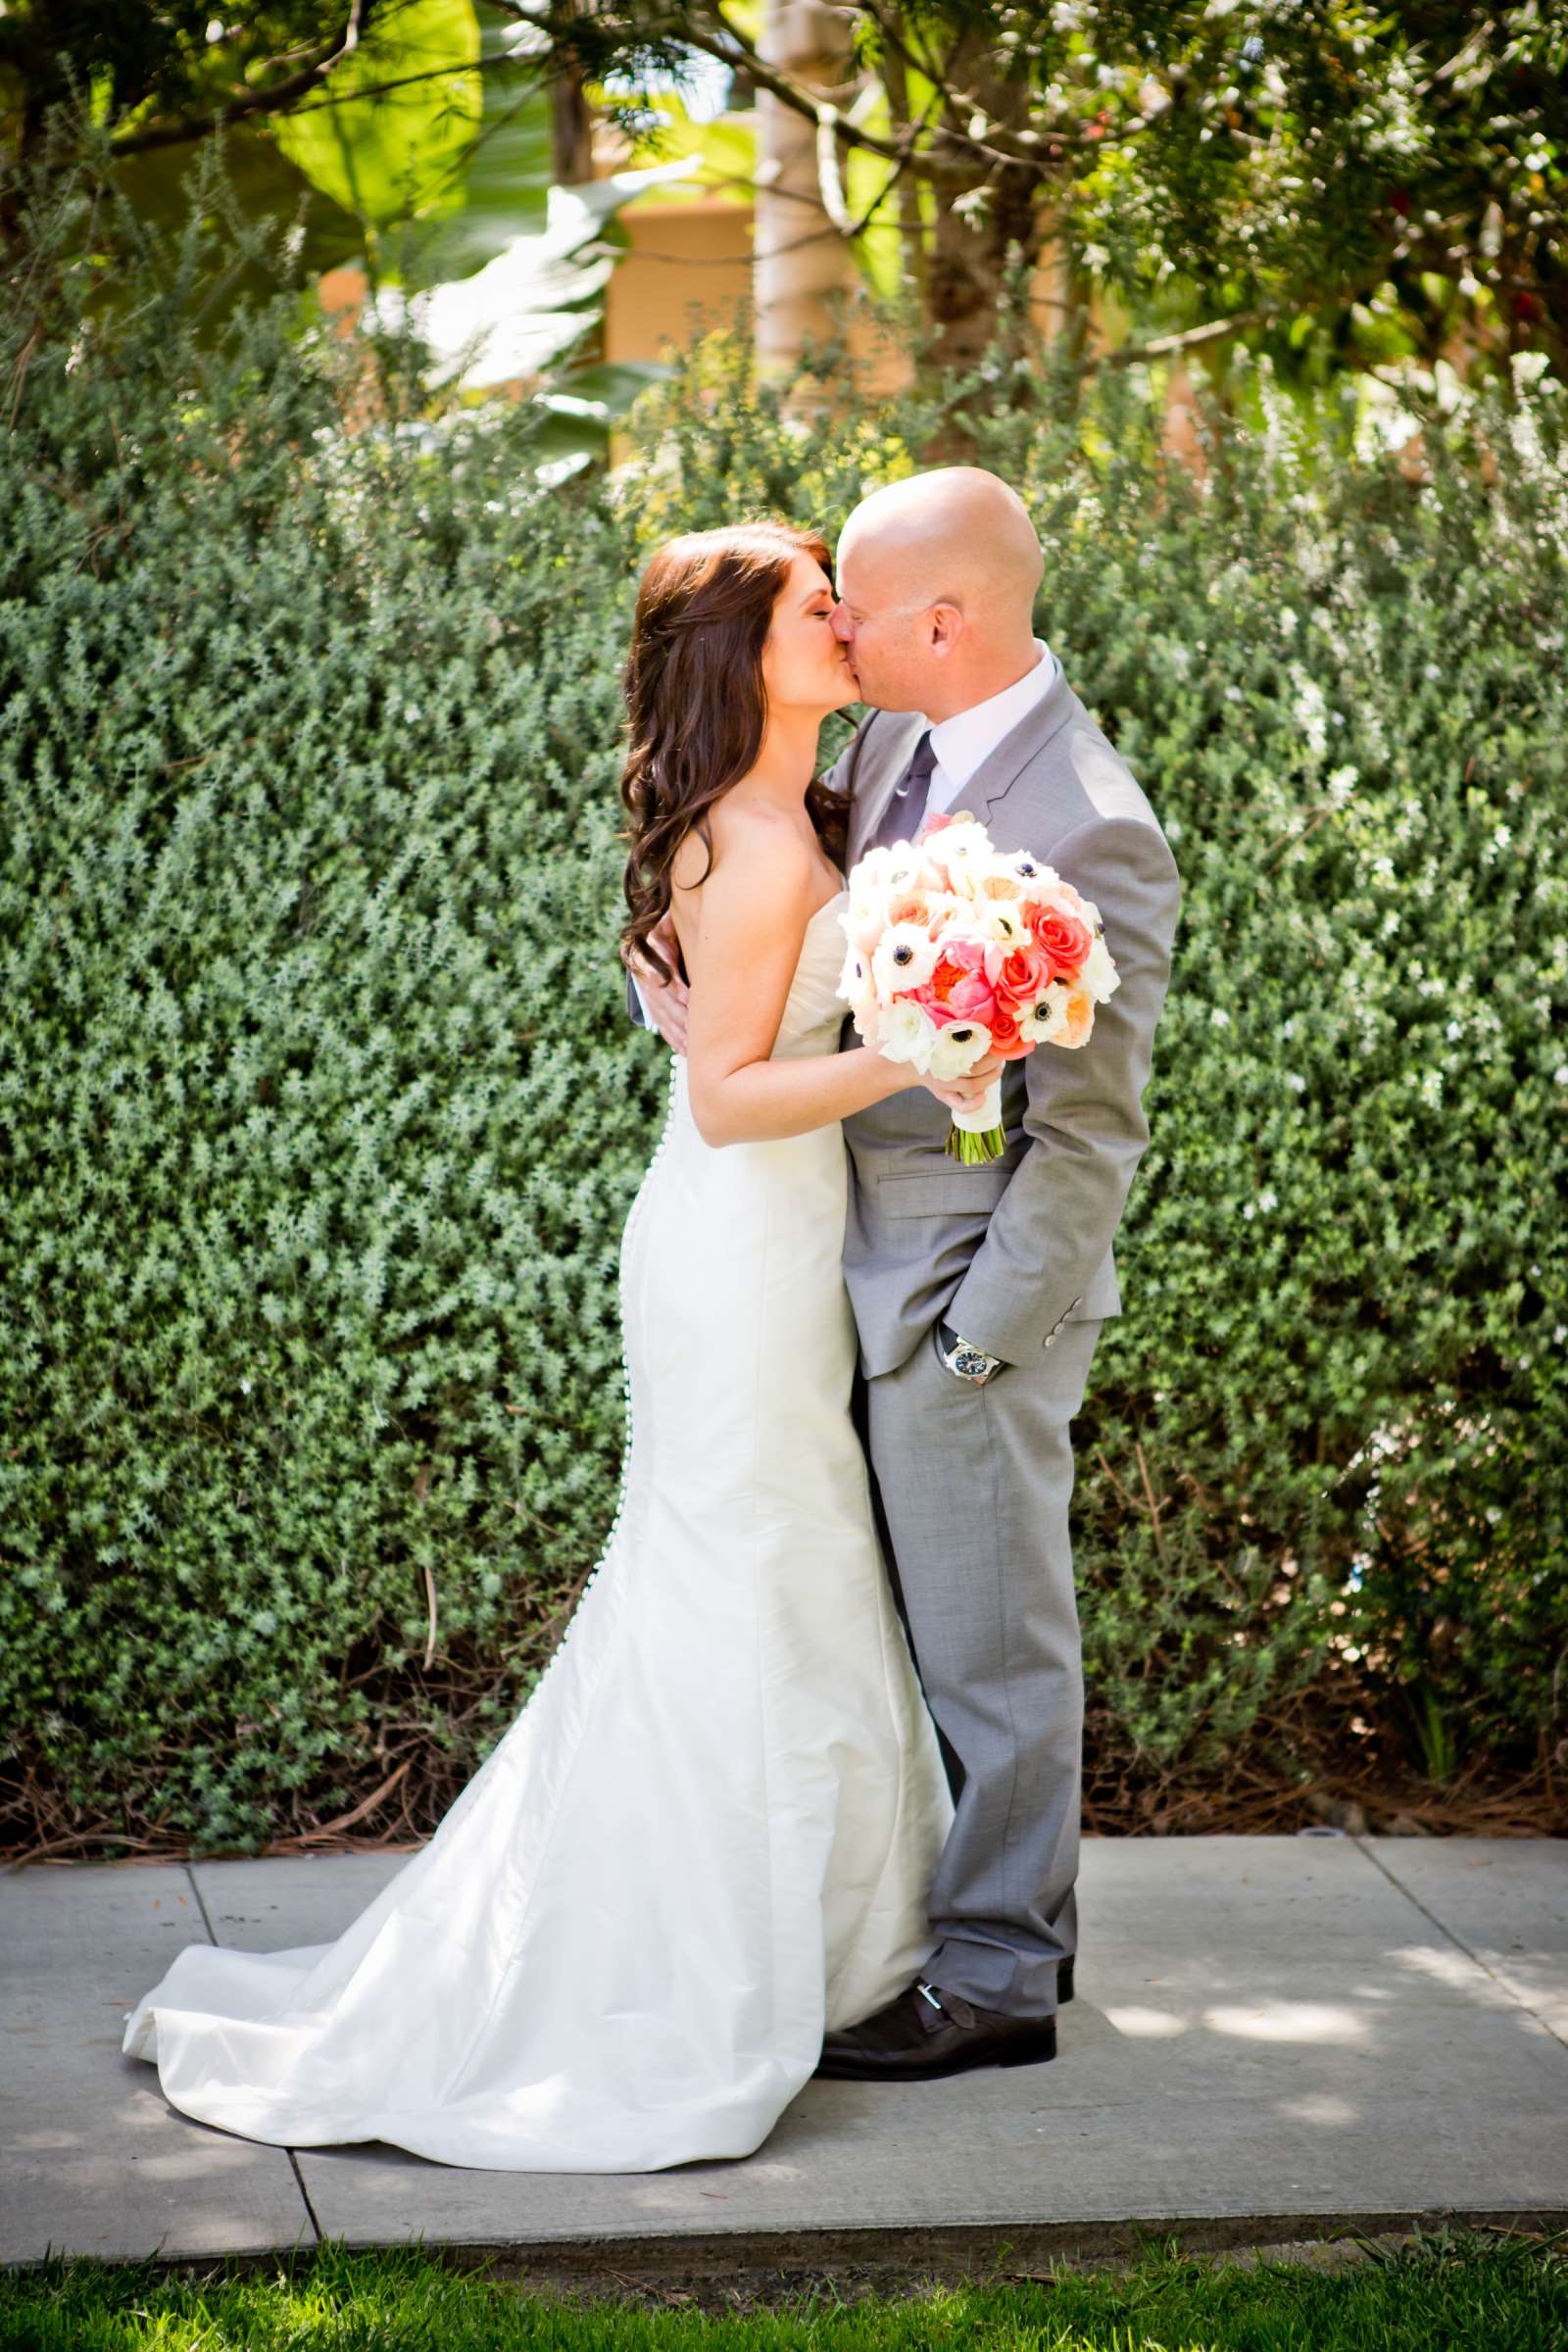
926, 2032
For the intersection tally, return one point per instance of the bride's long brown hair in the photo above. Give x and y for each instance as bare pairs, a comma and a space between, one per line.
695, 703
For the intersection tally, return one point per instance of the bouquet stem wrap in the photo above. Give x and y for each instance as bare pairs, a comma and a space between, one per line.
978, 1135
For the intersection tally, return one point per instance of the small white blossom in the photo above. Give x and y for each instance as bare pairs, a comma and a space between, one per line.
1099, 975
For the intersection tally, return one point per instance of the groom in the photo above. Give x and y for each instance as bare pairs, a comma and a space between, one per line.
979, 1292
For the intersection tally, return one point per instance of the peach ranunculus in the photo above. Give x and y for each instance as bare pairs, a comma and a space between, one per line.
1064, 939
1080, 1017
915, 907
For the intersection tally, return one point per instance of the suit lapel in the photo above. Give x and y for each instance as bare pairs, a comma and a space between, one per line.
1001, 769
875, 782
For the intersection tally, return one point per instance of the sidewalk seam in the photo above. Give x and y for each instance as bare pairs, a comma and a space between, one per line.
1460, 1945
201, 1900
293, 2159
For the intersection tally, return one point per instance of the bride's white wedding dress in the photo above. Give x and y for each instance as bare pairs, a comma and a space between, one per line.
709, 1833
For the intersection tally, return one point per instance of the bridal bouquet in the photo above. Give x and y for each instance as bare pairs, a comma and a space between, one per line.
958, 950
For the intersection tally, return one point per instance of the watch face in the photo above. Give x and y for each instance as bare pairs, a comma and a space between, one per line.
971, 1363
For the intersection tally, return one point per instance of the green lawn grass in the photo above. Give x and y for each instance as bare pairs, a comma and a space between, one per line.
1481, 2293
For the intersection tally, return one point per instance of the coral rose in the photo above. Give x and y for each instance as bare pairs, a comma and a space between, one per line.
1008, 1040
1061, 937
1018, 973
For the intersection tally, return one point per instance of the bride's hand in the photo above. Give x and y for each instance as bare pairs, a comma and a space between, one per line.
666, 1000
965, 1092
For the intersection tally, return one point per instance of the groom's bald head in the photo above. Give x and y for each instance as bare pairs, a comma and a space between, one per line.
938, 575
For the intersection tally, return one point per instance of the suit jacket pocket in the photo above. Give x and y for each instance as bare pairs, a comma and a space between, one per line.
947, 1192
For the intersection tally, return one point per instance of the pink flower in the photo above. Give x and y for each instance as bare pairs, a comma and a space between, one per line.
962, 982
930, 1002
933, 822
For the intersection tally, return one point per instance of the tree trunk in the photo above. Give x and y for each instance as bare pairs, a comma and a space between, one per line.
800, 255
571, 131
973, 248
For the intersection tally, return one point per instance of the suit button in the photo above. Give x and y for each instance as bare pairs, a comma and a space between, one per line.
1049, 1336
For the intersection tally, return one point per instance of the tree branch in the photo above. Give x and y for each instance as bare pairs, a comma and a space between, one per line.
276, 95
1127, 355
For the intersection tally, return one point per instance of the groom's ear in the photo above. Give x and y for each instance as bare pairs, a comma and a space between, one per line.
944, 625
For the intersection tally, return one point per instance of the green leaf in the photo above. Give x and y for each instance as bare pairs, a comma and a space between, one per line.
504, 175
394, 155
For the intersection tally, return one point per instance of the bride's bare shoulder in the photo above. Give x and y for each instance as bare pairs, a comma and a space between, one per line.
753, 846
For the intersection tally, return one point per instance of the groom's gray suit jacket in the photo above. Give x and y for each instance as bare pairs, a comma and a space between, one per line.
1007, 1253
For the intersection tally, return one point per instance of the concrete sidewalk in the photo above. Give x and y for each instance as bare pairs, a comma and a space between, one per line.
1268, 2031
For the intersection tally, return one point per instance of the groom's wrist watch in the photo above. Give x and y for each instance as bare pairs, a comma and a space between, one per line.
959, 1358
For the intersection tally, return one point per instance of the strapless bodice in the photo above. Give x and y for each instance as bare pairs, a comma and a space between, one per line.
814, 1010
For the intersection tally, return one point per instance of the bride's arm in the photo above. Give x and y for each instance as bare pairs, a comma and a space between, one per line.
755, 907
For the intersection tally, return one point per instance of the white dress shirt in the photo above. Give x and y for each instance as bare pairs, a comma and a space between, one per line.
961, 742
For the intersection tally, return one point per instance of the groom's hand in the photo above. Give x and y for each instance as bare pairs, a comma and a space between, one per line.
663, 1000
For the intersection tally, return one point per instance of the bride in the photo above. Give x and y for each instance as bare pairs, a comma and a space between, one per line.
708, 1837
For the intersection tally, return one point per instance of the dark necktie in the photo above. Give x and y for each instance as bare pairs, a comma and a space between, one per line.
904, 812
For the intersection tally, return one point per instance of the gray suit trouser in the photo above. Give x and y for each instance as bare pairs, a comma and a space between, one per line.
974, 1486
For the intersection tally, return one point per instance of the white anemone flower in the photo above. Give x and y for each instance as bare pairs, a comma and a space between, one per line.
963, 849
1099, 975
908, 1033
1047, 1017
1000, 919
855, 981
958, 1048
905, 957
893, 868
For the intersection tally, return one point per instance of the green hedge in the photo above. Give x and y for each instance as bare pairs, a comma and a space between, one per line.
319, 1117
